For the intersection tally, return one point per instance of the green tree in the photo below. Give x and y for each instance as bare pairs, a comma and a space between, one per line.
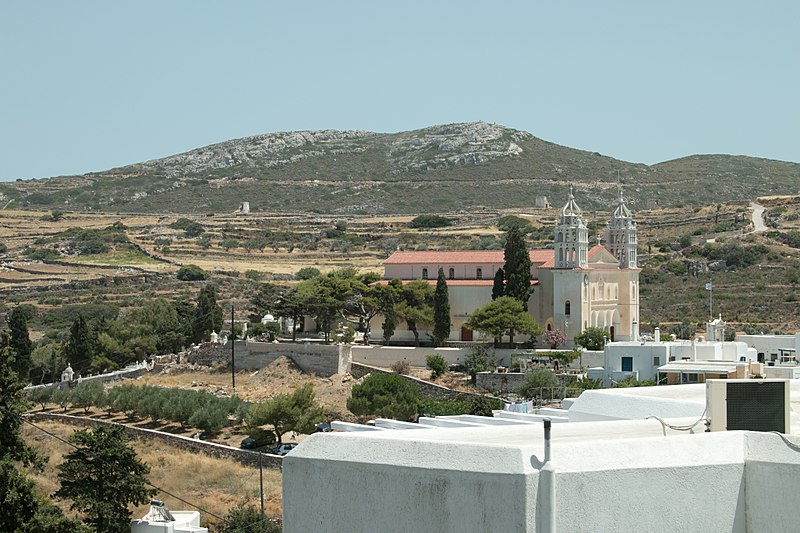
191, 273
102, 476
539, 383
506, 314
517, 267
291, 305
415, 306
297, 411
389, 298
208, 315
81, 345
511, 221
499, 284
87, 394
20, 342
436, 364
384, 395
441, 311
592, 338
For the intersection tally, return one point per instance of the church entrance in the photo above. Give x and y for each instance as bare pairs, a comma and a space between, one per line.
466, 334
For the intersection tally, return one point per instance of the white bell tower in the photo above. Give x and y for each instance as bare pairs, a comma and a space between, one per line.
621, 238
571, 237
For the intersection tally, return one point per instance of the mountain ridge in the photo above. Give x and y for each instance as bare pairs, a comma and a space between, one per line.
435, 169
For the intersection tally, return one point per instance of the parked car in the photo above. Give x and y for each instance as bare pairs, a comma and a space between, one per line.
324, 427
283, 449
258, 439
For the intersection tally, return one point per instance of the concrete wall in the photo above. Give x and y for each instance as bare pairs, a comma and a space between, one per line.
319, 359
386, 356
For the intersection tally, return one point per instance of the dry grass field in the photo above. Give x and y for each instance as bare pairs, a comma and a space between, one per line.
216, 485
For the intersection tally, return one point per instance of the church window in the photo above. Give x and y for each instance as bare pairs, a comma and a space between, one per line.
451, 273
560, 255
424, 273
479, 273
559, 237
566, 307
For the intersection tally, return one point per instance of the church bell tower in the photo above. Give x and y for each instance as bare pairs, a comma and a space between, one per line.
571, 237
621, 238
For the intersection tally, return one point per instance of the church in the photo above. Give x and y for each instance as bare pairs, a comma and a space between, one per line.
574, 286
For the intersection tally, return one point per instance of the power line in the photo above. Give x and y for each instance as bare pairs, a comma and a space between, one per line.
159, 489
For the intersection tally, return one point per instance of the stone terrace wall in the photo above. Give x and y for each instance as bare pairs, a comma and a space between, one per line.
499, 381
247, 457
426, 388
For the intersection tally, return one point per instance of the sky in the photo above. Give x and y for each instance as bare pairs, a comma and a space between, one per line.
92, 85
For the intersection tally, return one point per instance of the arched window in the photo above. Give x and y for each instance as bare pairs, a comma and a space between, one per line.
424, 273
479, 273
566, 308
559, 237
451, 273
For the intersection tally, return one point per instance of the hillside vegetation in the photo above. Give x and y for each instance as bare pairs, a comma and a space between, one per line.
432, 170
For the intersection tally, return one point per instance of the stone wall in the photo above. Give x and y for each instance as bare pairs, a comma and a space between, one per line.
247, 457
499, 381
426, 388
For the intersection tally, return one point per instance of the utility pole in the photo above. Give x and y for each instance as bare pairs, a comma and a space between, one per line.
233, 353
261, 480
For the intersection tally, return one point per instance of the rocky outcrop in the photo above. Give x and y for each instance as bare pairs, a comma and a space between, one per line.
270, 150
454, 144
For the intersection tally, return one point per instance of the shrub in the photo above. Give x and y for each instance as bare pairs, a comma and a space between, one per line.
540, 383
307, 273
191, 273
429, 221
480, 359
554, 337
592, 338
254, 275
3, 248
384, 395
436, 364
401, 367
189, 227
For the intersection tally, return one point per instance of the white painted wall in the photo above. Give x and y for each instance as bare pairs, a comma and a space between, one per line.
770, 345
609, 476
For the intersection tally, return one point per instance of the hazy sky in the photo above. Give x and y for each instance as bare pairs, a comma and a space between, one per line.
93, 85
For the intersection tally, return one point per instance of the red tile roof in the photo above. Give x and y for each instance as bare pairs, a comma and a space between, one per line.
538, 257
453, 282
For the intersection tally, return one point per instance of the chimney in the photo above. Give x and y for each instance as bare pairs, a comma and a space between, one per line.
657, 334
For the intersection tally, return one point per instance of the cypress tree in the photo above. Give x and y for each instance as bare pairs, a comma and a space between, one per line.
499, 285
20, 343
80, 347
441, 311
208, 315
517, 267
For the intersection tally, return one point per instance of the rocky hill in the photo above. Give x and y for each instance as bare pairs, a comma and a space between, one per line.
436, 169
